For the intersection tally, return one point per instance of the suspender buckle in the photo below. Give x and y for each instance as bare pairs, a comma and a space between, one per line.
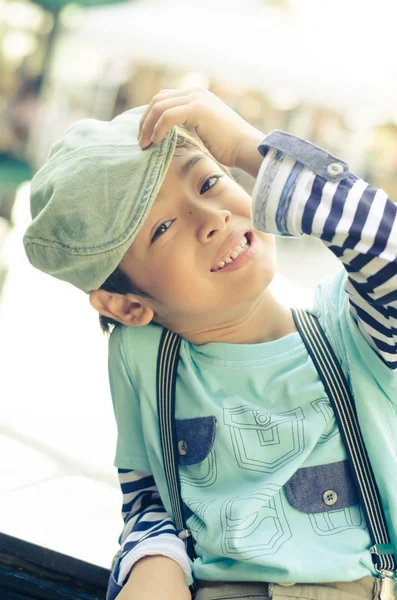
384, 563
193, 590
183, 534
382, 549
388, 585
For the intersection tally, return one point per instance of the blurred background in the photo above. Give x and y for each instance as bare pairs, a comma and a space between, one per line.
324, 71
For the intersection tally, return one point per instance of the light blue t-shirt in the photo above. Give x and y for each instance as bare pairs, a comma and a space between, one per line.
262, 465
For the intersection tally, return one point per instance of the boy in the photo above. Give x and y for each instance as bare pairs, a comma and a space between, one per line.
160, 236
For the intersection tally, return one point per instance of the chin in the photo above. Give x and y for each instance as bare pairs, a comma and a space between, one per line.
256, 288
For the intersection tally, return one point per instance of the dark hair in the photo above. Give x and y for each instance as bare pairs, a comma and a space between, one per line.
118, 282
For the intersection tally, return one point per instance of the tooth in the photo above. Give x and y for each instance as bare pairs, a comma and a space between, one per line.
242, 246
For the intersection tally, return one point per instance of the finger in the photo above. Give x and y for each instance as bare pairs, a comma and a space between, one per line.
156, 115
160, 97
163, 95
178, 115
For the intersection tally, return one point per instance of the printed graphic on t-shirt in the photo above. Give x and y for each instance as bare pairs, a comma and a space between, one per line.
323, 407
254, 525
336, 521
202, 474
264, 441
196, 522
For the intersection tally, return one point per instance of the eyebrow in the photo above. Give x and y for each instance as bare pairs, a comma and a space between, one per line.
189, 164
186, 168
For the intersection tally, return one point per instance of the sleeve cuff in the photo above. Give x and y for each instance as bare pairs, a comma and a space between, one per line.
113, 589
166, 545
279, 195
293, 173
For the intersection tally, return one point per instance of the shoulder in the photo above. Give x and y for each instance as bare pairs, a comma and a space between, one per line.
357, 357
132, 379
133, 342
132, 357
330, 306
330, 299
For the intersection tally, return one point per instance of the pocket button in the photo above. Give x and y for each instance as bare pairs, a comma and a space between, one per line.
330, 497
182, 447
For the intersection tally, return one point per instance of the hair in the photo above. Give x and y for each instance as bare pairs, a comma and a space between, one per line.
118, 282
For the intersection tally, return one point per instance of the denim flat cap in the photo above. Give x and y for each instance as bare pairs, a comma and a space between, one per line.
91, 198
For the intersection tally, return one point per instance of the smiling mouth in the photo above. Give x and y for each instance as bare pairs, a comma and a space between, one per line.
241, 247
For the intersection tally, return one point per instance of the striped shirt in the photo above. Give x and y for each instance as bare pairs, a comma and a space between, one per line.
295, 194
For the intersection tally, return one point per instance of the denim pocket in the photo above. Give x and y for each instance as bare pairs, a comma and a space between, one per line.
195, 440
322, 488
328, 495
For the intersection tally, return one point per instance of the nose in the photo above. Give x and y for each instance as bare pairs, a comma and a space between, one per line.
210, 221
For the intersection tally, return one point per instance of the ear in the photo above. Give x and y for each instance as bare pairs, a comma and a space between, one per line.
127, 309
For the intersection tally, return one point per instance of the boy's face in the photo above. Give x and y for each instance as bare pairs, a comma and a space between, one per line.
200, 217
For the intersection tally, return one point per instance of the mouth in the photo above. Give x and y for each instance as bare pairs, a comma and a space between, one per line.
234, 256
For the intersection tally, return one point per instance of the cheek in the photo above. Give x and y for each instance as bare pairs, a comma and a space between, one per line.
242, 202
270, 249
265, 262
270, 241
174, 279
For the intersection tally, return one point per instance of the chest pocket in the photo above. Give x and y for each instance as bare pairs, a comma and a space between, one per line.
328, 495
195, 440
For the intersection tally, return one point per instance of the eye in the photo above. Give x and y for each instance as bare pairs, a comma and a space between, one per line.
161, 229
209, 183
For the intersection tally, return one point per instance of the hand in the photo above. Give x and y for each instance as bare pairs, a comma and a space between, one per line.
155, 578
231, 140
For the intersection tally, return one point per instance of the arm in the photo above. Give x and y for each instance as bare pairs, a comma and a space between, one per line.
297, 192
156, 578
148, 534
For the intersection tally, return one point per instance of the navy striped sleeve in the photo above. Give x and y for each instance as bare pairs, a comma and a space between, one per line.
148, 530
358, 223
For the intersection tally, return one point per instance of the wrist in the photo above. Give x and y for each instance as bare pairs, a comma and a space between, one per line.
248, 157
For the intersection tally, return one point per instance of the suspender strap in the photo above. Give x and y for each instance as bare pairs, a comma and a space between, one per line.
342, 401
167, 365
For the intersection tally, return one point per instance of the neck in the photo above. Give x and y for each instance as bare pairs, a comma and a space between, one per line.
266, 321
